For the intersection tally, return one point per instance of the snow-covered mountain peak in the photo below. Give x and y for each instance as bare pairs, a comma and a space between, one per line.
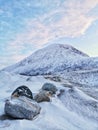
54, 53
59, 50
53, 59
66, 48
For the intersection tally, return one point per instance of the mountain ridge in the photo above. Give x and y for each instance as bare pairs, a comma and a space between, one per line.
52, 59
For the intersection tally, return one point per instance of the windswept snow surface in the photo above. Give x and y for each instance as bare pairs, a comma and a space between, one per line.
74, 109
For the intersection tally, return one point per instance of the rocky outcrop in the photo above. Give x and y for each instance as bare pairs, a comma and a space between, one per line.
22, 108
23, 105
47, 90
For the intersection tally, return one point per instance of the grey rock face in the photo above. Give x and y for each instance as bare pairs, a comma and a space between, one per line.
49, 87
42, 96
22, 108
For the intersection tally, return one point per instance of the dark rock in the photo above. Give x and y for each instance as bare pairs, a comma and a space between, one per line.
22, 91
22, 108
42, 96
49, 87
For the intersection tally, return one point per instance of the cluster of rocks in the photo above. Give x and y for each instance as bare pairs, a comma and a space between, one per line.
24, 105
45, 93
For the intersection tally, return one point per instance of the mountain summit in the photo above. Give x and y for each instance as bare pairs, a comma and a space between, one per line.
51, 59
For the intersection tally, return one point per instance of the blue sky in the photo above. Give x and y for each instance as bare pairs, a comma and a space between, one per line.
27, 25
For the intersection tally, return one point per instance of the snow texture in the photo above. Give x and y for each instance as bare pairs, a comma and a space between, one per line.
75, 109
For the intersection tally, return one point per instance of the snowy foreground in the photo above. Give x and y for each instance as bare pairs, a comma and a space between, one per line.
75, 109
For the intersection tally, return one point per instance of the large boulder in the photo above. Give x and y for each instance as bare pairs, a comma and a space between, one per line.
42, 96
22, 108
49, 87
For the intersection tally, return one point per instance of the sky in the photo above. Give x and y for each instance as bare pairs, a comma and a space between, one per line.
28, 25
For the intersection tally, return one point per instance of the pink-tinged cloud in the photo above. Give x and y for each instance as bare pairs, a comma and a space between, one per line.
71, 19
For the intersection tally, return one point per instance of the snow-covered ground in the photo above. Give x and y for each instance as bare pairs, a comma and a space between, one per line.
75, 109
87, 77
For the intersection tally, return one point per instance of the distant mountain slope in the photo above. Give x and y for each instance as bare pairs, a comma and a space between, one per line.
54, 58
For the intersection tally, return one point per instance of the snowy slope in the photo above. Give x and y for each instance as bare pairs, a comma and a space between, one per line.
62, 60
87, 77
75, 109
51, 59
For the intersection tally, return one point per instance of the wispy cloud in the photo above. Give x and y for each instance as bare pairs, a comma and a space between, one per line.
70, 18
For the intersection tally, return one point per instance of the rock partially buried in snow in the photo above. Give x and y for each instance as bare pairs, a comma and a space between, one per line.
42, 96
22, 108
49, 87
22, 91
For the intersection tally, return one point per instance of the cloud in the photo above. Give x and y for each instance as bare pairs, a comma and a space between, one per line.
82, 6
71, 19
64, 19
